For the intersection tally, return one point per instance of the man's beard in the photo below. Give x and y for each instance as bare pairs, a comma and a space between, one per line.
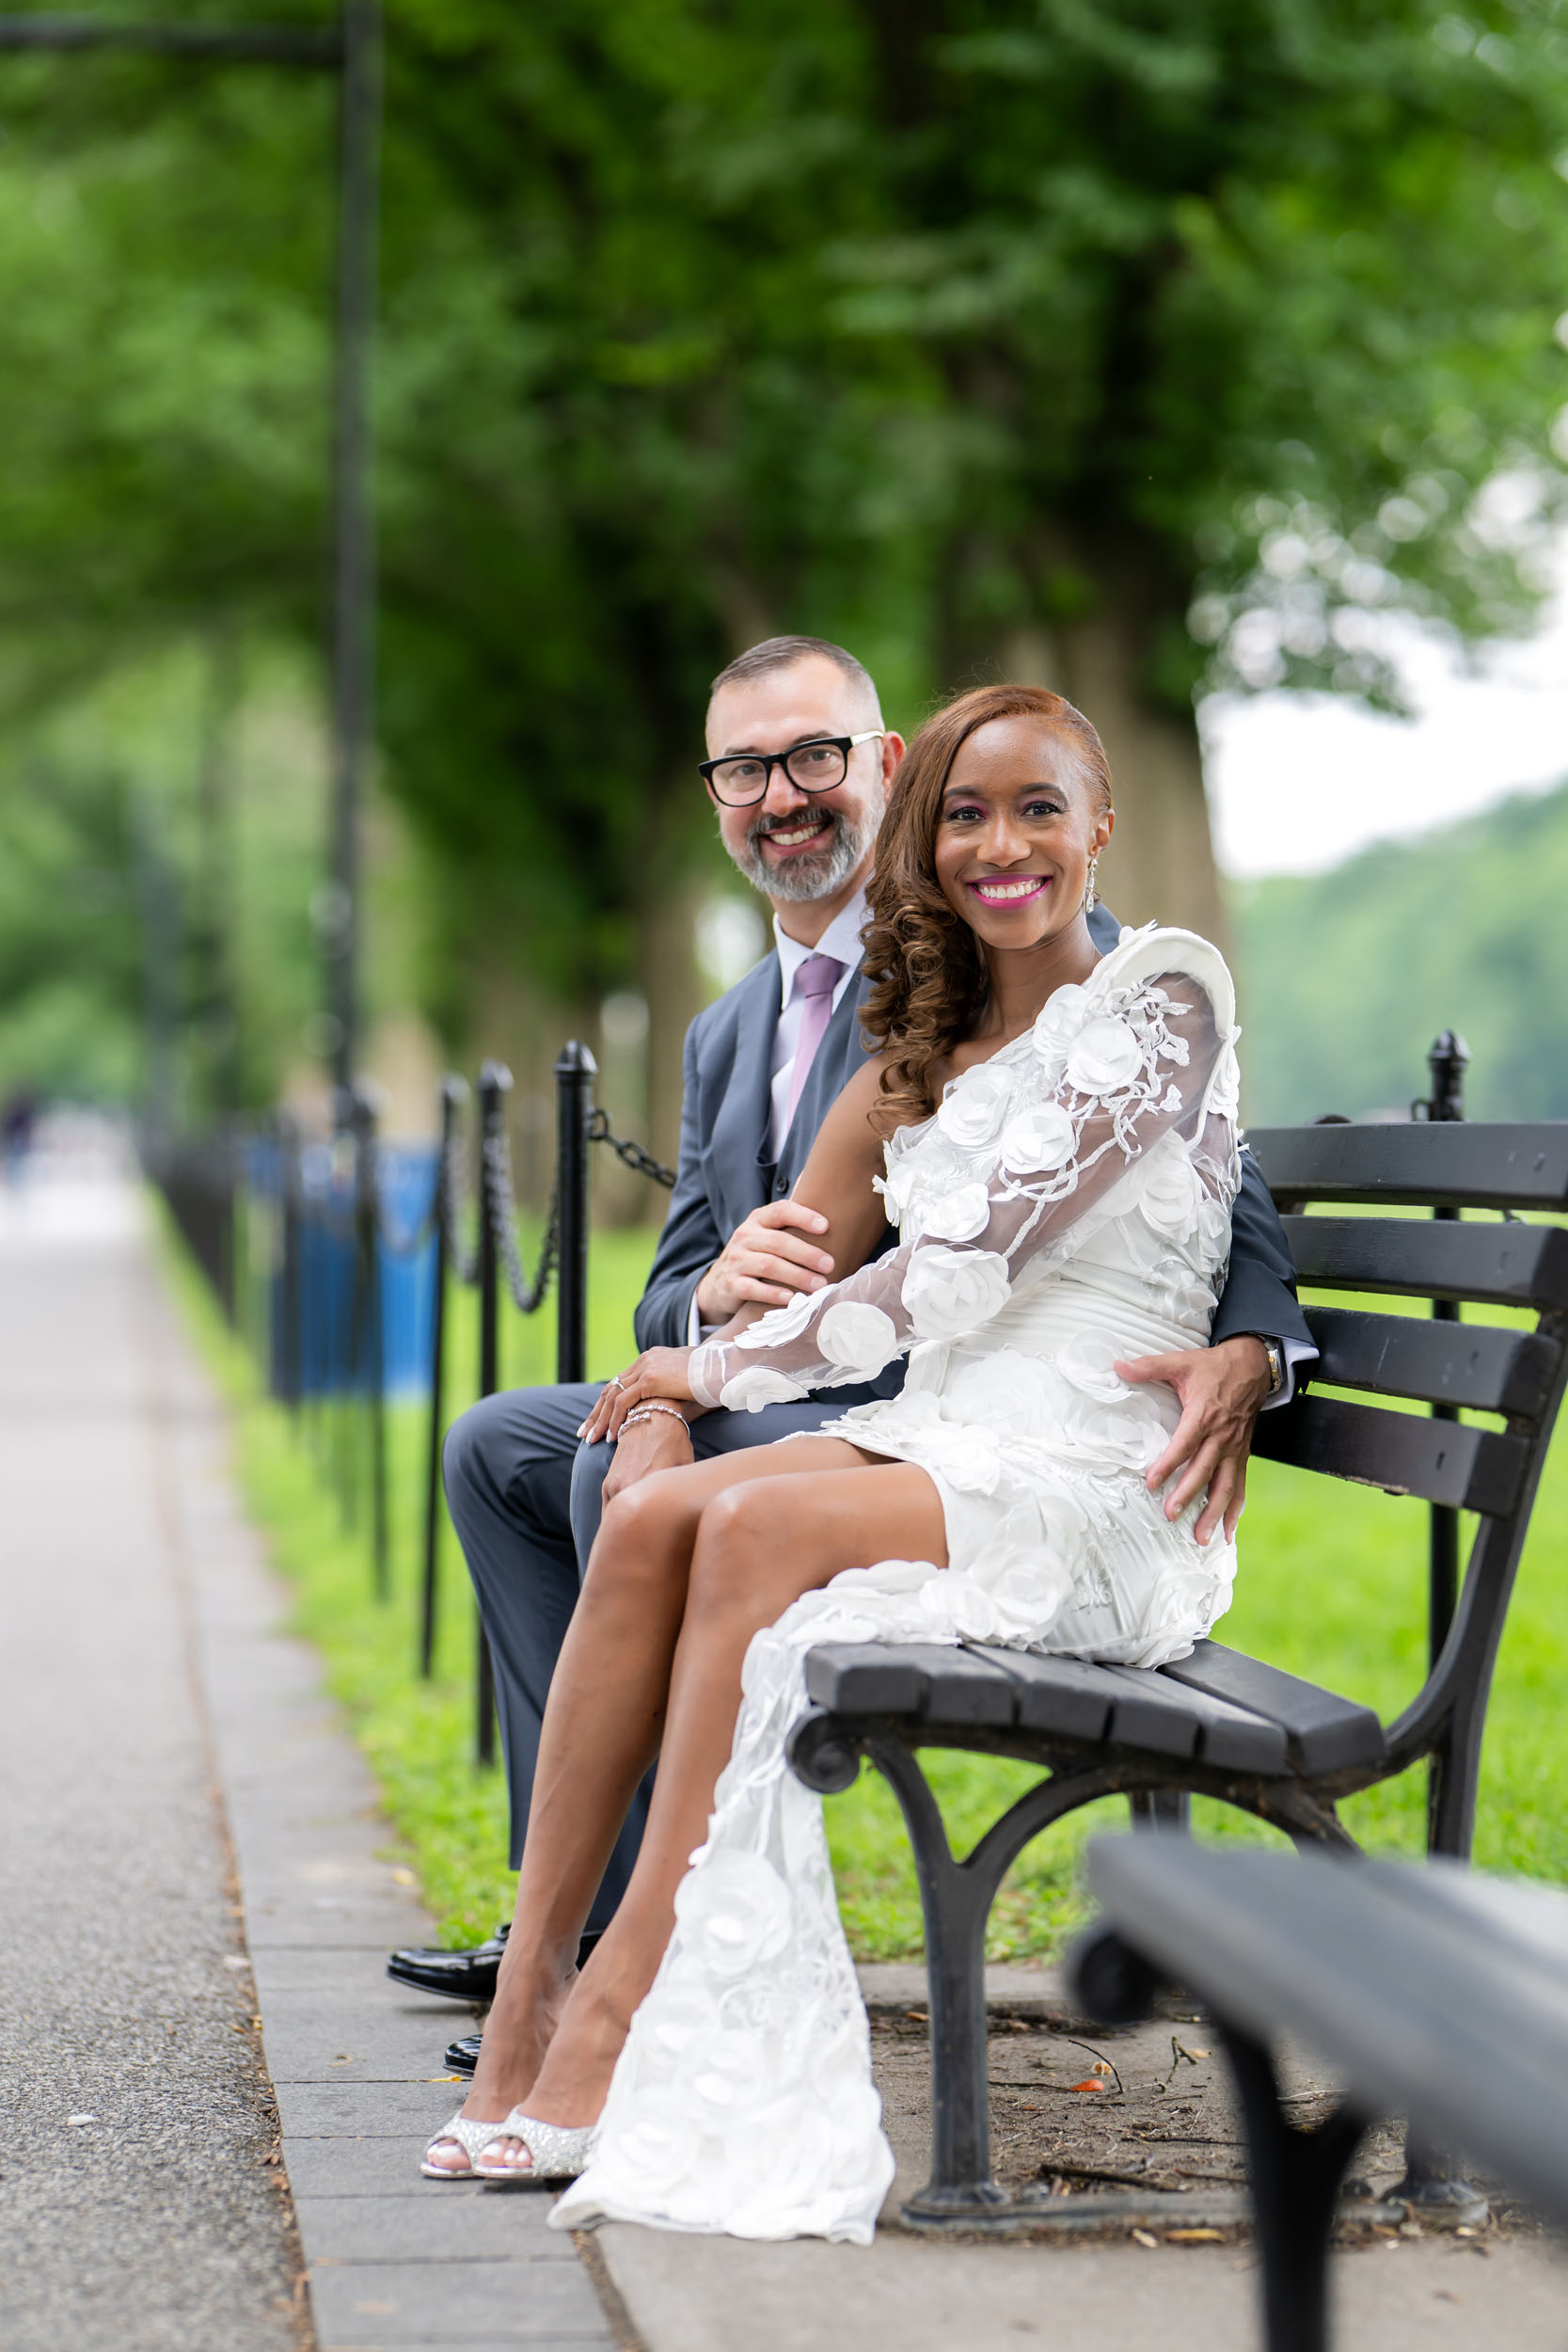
819, 872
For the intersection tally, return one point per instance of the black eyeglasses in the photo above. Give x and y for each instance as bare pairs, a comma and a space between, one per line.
815, 767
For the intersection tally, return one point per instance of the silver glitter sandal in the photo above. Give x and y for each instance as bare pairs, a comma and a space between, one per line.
560, 2150
470, 2136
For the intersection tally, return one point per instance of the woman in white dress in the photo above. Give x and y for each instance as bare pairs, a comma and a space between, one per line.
1053, 1136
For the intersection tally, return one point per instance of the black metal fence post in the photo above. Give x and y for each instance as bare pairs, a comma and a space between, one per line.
1446, 1062
575, 1072
494, 1085
288, 1380
367, 1373
452, 1092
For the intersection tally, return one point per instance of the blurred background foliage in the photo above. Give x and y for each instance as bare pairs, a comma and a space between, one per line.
1134, 347
1350, 971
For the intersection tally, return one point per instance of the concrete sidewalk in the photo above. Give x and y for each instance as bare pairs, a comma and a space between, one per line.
141, 2205
130, 1582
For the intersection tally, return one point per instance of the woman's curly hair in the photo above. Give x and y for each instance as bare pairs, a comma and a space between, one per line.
928, 972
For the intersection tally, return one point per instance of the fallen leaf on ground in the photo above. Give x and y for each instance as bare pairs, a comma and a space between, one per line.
1193, 2237
1092, 2082
1145, 2237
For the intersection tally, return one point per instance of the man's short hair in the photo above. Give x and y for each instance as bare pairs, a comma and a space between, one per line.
778, 653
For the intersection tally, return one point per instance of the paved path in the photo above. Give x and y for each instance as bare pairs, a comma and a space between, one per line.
137, 2207
151, 1711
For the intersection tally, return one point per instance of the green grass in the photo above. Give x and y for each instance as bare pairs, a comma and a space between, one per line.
1332, 1585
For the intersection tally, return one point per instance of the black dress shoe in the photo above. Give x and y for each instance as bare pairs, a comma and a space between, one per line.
469, 1976
463, 2057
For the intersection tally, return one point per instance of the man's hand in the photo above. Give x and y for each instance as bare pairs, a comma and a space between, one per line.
660, 1442
1221, 1389
763, 1263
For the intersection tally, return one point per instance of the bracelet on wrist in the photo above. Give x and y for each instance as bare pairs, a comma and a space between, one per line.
651, 1406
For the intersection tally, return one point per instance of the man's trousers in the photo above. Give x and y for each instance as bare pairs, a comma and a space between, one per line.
525, 1499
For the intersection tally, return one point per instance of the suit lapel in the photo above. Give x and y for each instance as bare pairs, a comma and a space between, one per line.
740, 1130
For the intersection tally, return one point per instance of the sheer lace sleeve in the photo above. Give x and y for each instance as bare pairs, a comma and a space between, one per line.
1023, 1149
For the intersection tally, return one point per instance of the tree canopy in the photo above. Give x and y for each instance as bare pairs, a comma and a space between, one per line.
1134, 346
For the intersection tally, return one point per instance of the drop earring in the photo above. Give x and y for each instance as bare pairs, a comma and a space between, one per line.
1090, 895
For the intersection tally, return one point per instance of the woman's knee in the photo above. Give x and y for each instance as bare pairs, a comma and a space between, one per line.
639, 1540
736, 1535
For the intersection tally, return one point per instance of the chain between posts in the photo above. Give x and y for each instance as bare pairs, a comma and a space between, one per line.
501, 1202
633, 1155
497, 1260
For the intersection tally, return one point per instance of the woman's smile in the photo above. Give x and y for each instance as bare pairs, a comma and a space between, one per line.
1008, 890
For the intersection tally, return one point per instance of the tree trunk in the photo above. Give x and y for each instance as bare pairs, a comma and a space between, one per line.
1161, 862
673, 985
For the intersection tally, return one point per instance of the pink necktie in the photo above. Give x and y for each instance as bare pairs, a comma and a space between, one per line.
815, 982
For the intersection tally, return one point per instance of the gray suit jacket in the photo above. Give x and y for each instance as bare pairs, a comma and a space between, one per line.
724, 1170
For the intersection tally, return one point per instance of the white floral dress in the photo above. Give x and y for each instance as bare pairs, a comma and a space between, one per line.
1068, 1206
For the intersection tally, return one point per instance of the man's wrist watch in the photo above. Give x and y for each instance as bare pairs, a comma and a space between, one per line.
1275, 1355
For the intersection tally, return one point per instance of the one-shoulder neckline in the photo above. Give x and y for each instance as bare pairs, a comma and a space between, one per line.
1196, 949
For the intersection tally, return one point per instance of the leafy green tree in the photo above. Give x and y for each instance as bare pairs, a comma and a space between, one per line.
1136, 346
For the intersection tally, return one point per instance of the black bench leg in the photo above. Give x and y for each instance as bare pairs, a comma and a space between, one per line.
1161, 1808
1435, 2189
956, 1898
1434, 2186
1295, 2188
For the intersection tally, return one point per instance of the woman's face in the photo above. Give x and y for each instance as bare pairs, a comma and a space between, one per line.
1015, 832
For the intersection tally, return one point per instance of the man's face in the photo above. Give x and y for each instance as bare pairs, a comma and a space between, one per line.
795, 845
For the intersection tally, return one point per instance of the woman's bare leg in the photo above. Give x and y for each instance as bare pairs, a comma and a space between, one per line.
602, 1728
783, 1530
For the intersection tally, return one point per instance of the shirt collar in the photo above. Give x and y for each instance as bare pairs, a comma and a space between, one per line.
841, 940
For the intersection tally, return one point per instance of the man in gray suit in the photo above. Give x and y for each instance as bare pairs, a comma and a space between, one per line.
799, 768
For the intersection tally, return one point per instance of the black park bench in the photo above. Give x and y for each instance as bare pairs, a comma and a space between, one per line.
1219, 1723
1433, 1994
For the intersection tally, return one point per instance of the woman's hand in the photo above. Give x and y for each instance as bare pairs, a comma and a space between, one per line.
663, 1441
658, 1372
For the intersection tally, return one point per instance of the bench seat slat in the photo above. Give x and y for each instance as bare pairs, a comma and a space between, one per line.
1228, 1736
1060, 1695
961, 1688
928, 1680
1324, 1731
1469, 1469
1066, 1696
1479, 1365
1450, 1165
865, 1678
1504, 1266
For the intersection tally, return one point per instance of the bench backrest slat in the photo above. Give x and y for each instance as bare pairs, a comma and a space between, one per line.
1469, 1470
1478, 1365
1501, 1265
1449, 1164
